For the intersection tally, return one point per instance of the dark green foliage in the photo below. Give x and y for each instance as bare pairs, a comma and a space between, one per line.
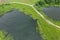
40, 3
57, 1
48, 1
45, 3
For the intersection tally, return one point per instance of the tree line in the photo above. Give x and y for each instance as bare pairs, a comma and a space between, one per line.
48, 2
52, 1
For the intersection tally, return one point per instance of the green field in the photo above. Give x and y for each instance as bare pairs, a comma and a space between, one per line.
47, 31
22, 1
25, 1
4, 37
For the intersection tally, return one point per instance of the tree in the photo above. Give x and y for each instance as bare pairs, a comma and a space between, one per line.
48, 1
57, 2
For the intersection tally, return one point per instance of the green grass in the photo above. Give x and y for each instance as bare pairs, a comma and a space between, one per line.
50, 19
4, 37
44, 4
47, 31
25, 1
22, 1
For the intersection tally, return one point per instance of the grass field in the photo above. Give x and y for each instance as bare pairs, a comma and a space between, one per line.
25, 1
47, 31
22, 1
4, 37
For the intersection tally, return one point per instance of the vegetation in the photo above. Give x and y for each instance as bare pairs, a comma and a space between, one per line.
45, 3
5, 36
48, 3
22, 1
47, 31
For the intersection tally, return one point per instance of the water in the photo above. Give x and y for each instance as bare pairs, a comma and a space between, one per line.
52, 12
21, 26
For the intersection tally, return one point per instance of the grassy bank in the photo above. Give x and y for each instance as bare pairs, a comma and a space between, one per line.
52, 20
4, 36
47, 31
43, 3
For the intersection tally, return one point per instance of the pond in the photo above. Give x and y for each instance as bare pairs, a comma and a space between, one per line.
52, 12
21, 26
